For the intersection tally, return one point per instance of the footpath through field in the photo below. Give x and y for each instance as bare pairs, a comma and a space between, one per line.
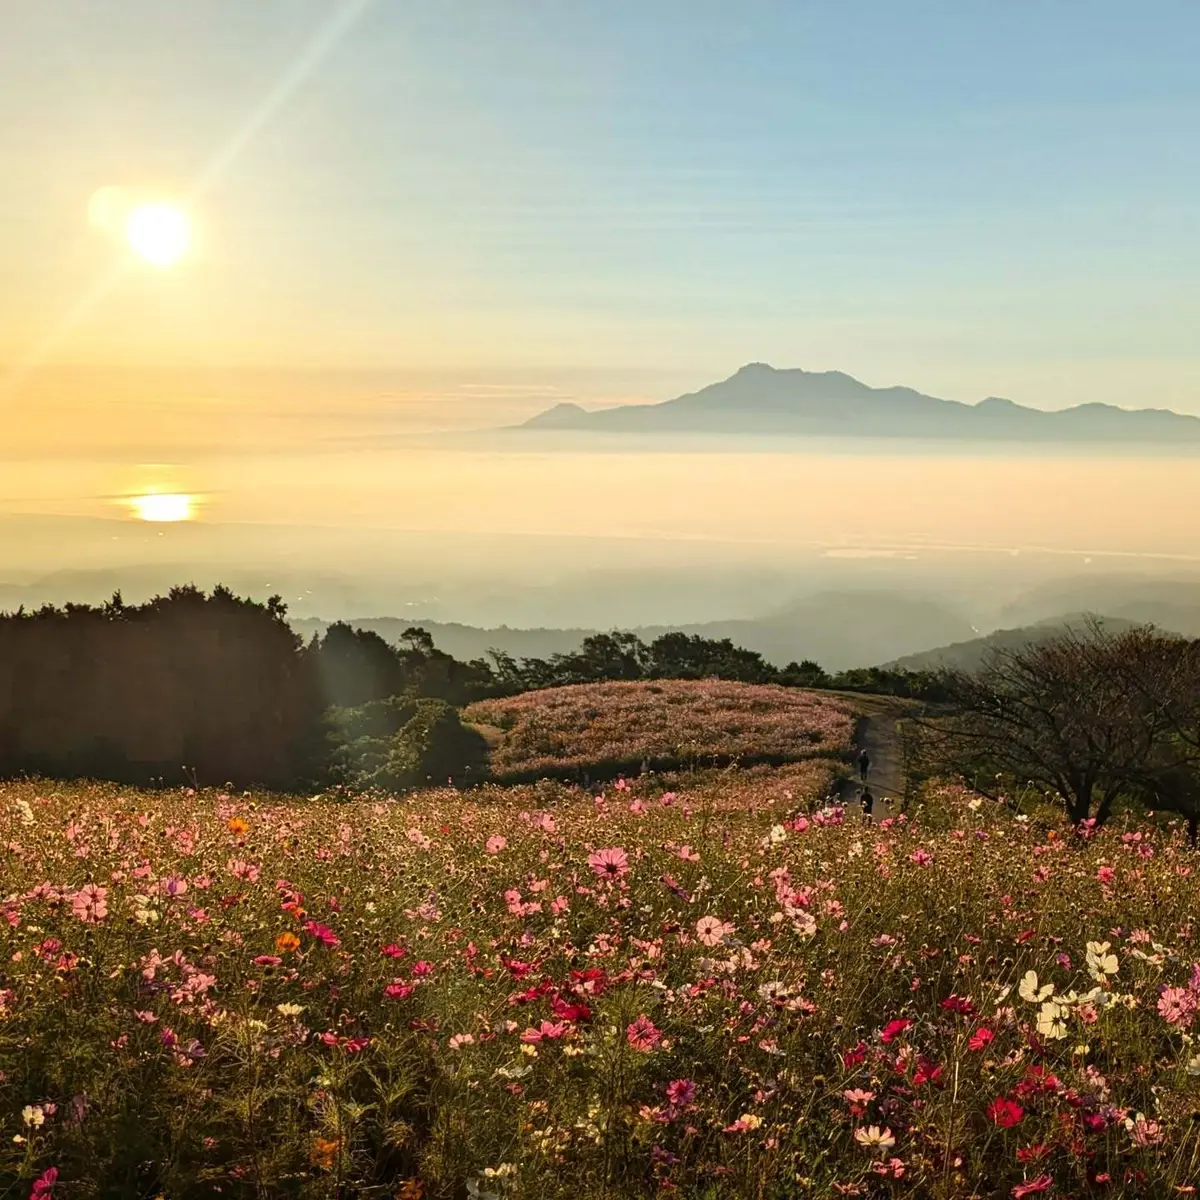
876, 733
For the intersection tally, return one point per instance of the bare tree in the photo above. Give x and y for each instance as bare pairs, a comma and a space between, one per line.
1087, 715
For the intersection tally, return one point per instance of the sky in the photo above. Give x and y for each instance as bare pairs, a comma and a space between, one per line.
617, 200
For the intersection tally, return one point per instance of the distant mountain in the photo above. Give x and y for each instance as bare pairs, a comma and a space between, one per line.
762, 400
463, 641
837, 629
974, 653
1168, 603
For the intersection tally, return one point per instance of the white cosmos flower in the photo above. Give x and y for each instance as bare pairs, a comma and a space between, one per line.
874, 1138
1101, 963
1050, 1023
1030, 991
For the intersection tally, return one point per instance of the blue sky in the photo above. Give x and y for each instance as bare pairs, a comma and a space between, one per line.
970, 198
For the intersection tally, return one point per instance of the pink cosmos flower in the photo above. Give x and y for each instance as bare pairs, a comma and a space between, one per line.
893, 1029
611, 862
1143, 1132
1176, 1005
496, 843
642, 1034
398, 990
546, 1031
922, 858
712, 930
90, 903
681, 1093
1105, 874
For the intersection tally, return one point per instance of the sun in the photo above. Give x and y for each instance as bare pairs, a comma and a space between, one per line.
158, 232
163, 506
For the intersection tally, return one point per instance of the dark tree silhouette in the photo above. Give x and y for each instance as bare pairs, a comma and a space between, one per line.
187, 685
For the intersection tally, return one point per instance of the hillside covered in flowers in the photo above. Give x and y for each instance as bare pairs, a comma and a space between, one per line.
705, 987
666, 723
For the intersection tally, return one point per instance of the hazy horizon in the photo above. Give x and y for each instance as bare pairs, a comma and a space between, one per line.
270, 269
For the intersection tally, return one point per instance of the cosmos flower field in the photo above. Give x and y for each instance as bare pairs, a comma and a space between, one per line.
706, 987
602, 726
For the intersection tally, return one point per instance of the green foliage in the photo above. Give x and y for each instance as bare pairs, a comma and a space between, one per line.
187, 685
432, 746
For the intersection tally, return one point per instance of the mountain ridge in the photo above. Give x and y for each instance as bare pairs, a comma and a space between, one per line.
759, 398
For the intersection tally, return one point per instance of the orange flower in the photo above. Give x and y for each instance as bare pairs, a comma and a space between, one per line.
323, 1152
238, 826
285, 943
411, 1189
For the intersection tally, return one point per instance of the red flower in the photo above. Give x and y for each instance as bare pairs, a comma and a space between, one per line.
1004, 1112
1043, 1183
1033, 1154
927, 1072
893, 1029
855, 1057
959, 1004
980, 1038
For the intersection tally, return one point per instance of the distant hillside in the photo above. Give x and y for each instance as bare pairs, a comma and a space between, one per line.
839, 630
1168, 603
974, 653
759, 399
463, 641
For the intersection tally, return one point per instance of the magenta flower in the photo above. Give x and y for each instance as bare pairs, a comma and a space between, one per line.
323, 934
43, 1185
642, 1034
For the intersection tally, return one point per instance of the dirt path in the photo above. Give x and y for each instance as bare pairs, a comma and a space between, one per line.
885, 777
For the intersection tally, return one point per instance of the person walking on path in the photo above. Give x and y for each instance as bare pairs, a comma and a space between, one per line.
868, 803
864, 765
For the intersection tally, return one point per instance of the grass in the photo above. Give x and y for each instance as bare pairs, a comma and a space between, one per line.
609, 728
710, 991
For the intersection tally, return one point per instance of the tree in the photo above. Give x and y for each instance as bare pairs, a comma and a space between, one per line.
187, 685
357, 666
434, 746
1086, 715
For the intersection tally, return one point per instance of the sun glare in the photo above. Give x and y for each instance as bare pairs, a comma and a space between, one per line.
158, 233
163, 506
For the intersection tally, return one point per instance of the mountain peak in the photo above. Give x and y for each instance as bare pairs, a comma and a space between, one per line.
761, 400
565, 415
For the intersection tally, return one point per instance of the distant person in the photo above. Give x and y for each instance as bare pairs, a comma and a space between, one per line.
868, 803
864, 765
